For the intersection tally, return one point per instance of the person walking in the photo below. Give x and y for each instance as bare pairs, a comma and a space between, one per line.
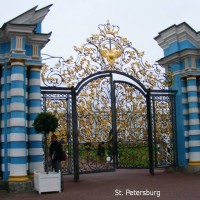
101, 151
55, 152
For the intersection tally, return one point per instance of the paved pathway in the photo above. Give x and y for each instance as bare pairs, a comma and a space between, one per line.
122, 185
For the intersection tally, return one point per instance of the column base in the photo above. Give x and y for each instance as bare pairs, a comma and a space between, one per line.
194, 163
193, 167
18, 178
31, 175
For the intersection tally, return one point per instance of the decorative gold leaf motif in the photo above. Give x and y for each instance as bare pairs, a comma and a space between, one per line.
105, 51
110, 55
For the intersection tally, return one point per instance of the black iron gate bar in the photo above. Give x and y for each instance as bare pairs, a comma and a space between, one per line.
114, 122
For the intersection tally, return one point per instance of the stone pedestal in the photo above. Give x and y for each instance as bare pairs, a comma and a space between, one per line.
20, 187
193, 169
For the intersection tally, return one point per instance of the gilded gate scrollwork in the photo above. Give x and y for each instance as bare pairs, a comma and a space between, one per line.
103, 52
140, 89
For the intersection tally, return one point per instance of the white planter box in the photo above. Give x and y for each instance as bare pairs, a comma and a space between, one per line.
50, 182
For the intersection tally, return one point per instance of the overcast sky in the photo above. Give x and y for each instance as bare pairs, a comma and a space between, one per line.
72, 21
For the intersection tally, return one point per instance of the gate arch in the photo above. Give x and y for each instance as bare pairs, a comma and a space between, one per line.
108, 73
91, 94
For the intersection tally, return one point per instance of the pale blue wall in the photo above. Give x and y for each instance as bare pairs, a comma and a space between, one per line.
178, 46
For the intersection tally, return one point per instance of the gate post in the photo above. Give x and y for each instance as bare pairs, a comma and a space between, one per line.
35, 152
75, 136
17, 125
182, 59
114, 124
150, 138
21, 42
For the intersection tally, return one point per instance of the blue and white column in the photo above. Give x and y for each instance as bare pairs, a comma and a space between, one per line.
34, 107
5, 116
185, 116
194, 127
18, 131
198, 86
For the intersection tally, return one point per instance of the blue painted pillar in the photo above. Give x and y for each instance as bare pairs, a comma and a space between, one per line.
193, 122
198, 87
184, 110
5, 119
34, 107
18, 130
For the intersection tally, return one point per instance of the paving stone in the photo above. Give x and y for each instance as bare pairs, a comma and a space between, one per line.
107, 186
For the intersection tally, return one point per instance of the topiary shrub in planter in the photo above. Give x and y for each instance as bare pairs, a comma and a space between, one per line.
45, 123
50, 181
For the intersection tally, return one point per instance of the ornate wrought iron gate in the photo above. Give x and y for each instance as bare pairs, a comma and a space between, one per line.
110, 114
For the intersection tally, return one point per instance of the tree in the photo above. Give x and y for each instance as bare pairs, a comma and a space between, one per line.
45, 123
